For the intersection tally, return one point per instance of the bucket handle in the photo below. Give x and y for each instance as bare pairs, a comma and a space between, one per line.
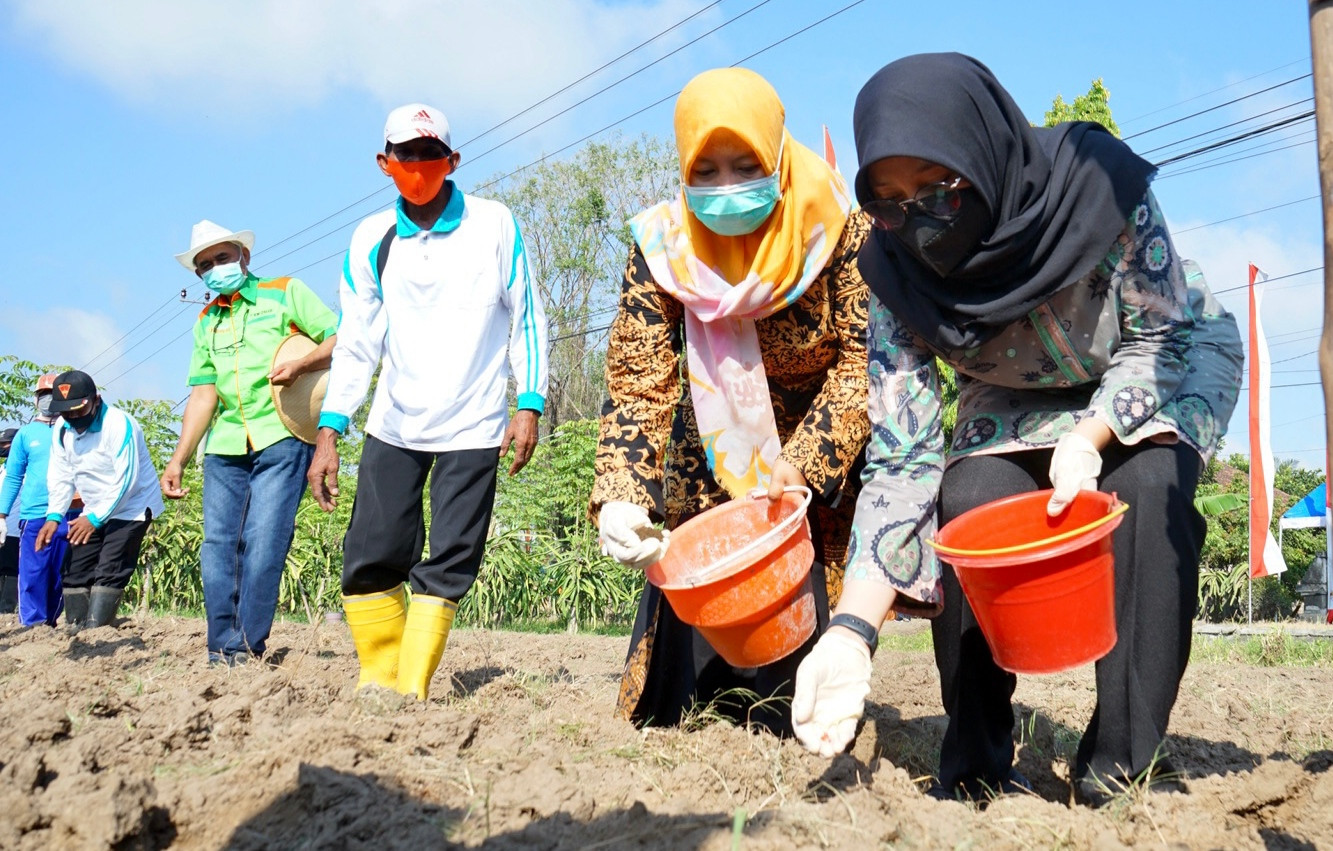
782, 530
1117, 509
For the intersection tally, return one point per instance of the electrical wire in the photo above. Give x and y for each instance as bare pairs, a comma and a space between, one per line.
1215, 108
1245, 215
1212, 92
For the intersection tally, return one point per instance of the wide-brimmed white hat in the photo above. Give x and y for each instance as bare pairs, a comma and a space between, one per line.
207, 234
298, 404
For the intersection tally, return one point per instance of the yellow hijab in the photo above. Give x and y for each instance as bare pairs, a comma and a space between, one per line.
727, 282
742, 102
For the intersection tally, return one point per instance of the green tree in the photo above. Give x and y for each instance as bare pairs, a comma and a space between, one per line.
18, 377
1092, 106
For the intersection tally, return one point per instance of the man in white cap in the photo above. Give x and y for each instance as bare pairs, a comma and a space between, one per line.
254, 468
438, 290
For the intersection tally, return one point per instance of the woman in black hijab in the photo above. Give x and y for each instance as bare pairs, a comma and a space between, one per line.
1036, 263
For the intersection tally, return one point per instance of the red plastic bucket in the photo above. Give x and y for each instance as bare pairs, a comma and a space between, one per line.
1042, 588
740, 574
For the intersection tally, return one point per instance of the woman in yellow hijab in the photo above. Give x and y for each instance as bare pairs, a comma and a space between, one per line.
749, 274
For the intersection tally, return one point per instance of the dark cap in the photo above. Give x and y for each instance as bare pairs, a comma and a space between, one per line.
72, 390
6, 439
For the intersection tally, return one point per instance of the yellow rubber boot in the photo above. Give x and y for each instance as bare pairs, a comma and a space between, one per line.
428, 622
377, 621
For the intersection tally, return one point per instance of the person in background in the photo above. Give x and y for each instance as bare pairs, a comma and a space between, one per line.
435, 293
1089, 355
254, 468
9, 539
748, 276
99, 451
40, 600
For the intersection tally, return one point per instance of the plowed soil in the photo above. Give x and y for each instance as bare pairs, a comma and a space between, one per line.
123, 738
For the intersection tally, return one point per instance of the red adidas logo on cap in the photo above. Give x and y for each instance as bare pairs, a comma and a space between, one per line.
423, 115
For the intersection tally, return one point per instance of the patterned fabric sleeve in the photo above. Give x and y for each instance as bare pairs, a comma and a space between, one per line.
643, 383
1155, 326
895, 512
836, 425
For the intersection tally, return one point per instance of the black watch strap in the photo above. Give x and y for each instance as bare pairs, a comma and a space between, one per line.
859, 626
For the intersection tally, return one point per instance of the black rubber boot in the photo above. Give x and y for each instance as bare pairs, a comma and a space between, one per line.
76, 609
9, 595
102, 606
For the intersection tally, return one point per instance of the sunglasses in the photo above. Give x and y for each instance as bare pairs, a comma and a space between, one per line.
939, 200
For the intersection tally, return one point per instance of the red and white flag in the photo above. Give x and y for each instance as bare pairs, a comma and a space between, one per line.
829, 157
1265, 555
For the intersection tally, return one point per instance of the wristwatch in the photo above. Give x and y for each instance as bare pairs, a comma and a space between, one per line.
859, 626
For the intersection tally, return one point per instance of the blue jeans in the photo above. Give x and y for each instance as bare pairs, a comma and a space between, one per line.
40, 597
250, 506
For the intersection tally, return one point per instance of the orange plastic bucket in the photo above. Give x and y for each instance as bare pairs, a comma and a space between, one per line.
740, 574
1042, 588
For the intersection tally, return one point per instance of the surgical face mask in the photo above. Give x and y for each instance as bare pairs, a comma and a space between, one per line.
44, 406
737, 209
941, 245
225, 279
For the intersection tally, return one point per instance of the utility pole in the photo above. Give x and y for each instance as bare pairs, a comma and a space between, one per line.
1321, 59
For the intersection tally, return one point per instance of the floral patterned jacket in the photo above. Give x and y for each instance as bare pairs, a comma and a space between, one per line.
1138, 343
649, 452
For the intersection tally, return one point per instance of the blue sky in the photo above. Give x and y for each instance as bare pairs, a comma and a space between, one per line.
127, 122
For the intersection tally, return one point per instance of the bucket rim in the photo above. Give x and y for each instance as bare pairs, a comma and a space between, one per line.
1117, 508
720, 569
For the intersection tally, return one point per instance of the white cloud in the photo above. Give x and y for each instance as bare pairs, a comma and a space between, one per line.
479, 58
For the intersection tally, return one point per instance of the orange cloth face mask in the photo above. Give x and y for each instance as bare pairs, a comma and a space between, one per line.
418, 182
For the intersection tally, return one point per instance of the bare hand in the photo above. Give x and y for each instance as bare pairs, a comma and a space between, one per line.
285, 373
80, 531
171, 481
785, 475
522, 434
323, 474
45, 534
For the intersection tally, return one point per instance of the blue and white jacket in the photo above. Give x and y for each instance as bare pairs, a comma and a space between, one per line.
108, 465
25, 472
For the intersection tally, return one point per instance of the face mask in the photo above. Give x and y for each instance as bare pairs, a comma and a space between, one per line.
737, 209
80, 424
225, 279
418, 182
44, 406
943, 244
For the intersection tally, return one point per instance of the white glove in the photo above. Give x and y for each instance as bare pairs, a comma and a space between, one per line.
1075, 466
831, 688
628, 535
4, 529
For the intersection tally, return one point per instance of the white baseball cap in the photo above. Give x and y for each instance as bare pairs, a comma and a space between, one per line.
206, 234
416, 121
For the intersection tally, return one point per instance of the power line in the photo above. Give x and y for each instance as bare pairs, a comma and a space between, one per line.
1245, 215
1225, 126
1212, 92
1214, 108
1218, 163
481, 187
1270, 280
1240, 137
122, 337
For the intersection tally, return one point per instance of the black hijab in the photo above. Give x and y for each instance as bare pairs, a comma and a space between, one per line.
1058, 197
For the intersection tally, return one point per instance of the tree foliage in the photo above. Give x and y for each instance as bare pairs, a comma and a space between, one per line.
1094, 105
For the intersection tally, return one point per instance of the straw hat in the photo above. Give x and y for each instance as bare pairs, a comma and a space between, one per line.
206, 234
299, 403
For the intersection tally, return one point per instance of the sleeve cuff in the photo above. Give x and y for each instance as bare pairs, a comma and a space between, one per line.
337, 422
531, 402
53, 517
97, 522
196, 380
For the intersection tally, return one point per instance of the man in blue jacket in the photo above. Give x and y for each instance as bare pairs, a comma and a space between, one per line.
40, 600
9, 540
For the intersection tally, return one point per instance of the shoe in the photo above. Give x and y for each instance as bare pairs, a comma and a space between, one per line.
376, 622
102, 605
1096, 792
425, 633
76, 609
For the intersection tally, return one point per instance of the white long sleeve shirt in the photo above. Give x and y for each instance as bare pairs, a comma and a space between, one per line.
455, 315
108, 465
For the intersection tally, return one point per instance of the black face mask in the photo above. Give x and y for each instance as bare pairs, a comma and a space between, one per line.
80, 424
941, 245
